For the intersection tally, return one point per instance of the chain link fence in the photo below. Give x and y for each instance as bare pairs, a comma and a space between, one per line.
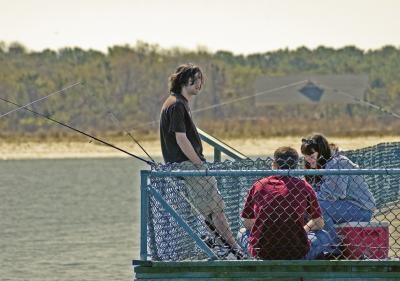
247, 210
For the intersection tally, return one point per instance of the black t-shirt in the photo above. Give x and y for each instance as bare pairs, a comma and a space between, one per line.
176, 118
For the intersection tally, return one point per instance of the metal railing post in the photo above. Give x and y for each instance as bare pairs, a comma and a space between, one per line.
144, 215
217, 154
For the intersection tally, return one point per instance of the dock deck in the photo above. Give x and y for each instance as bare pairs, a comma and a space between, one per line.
250, 270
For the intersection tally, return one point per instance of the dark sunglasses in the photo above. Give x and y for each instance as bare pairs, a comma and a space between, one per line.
308, 141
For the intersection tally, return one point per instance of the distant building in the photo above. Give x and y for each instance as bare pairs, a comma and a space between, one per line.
332, 89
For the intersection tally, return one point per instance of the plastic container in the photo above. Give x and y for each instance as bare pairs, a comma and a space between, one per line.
364, 240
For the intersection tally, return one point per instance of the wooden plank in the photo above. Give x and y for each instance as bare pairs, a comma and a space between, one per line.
265, 278
244, 275
354, 279
270, 270
382, 266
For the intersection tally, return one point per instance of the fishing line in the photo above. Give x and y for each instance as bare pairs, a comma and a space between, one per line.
43, 98
360, 101
79, 131
251, 96
232, 101
117, 122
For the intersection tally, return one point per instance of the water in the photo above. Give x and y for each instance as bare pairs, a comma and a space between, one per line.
69, 219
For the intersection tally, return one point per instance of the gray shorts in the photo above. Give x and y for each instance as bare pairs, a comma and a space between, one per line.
203, 191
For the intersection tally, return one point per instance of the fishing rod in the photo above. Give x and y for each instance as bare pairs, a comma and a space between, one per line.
78, 131
116, 120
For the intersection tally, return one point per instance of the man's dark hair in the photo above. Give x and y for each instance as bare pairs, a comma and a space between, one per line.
182, 75
286, 158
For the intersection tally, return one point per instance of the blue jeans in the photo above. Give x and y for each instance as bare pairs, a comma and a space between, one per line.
319, 241
341, 211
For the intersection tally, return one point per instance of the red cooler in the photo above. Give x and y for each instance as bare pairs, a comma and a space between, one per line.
361, 240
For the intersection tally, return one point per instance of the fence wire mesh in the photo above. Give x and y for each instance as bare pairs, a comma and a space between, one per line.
246, 216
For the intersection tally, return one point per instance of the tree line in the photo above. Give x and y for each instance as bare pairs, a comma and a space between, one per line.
124, 89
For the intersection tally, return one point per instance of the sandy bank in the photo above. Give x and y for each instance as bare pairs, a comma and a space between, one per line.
250, 147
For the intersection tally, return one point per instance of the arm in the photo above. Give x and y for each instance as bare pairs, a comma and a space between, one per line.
316, 221
248, 223
314, 224
248, 214
187, 148
334, 187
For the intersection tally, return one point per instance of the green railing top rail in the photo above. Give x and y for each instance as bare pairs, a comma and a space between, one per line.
235, 263
220, 146
297, 172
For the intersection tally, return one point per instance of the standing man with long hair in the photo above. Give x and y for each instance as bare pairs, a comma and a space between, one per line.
180, 143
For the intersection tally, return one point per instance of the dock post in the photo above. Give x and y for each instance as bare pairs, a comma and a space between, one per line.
144, 215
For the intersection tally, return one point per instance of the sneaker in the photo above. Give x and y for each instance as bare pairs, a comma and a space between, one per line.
210, 242
232, 254
223, 252
239, 254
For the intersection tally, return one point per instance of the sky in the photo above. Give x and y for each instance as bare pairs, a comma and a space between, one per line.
239, 26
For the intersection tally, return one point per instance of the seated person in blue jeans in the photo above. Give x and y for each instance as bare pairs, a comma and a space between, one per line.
343, 198
275, 211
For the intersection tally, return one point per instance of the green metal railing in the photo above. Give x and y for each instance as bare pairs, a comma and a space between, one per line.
220, 147
147, 190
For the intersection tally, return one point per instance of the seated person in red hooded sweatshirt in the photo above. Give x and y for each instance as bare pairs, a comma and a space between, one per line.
275, 212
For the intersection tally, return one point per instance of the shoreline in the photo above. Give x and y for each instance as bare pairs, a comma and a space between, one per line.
87, 149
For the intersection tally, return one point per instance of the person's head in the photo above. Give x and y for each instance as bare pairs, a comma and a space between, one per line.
316, 151
187, 76
285, 158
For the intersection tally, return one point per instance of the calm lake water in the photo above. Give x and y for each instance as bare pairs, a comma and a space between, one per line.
69, 219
